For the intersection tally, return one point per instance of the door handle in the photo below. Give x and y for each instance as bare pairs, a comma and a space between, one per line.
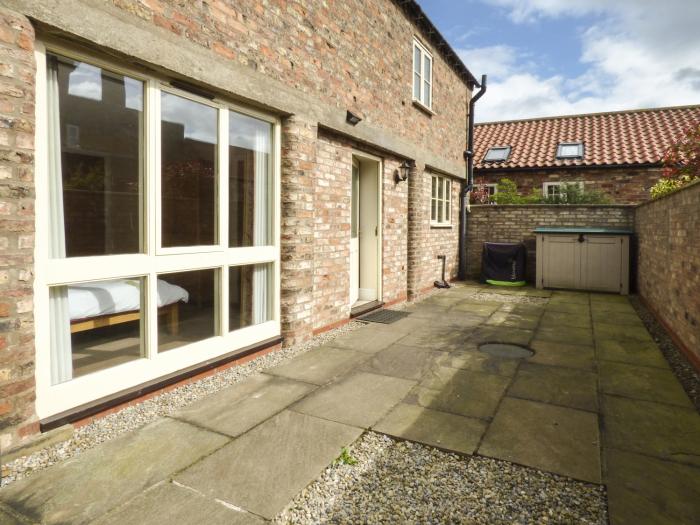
376, 231
581, 238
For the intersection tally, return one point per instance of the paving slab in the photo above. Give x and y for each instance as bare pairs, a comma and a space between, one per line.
569, 297
633, 352
642, 382
523, 308
462, 392
665, 431
436, 338
617, 318
513, 320
556, 439
617, 332
574, 308
442, 299
498, 334
320, 365
9, 517
359, 399
238, 408
262, 470
438, 429
644, 490
398, 360
562, 320
168, 504
478, 361
113, 473
563, 354
368, 339
568, 335
474, 306
556, 385
609, 298
608, 307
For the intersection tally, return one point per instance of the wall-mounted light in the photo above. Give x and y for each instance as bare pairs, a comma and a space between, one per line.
403, 171
351, 118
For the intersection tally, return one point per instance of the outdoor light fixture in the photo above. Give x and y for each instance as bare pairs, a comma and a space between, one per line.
403, 171
351, 118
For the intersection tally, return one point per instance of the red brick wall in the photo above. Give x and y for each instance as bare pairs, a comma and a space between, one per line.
332, 195
514, 223
17, 66
426, 242
352, 54
623, 186
668, 274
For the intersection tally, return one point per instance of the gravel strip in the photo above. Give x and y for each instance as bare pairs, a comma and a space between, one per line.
403, 482
133, 417
505, 298
682, 369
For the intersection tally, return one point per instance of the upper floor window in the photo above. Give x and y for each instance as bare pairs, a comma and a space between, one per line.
440, 202
570, 150
497, 154
422, 75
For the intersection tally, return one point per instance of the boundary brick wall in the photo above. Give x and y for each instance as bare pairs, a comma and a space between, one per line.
514, 223
668, 259
17, 391
623, 186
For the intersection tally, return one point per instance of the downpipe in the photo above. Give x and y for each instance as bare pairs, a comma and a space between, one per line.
467, 188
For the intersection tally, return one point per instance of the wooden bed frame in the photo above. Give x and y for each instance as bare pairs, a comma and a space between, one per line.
171, 311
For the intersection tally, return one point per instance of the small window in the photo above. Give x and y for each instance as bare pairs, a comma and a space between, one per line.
422, 75
570, 150
440, 202
497, 154
554, 189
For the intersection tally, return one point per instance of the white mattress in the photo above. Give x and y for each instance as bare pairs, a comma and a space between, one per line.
120, 295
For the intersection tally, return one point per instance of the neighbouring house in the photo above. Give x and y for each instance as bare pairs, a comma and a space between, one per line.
617, 153
186, 183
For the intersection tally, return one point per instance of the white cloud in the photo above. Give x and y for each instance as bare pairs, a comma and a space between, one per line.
643, 53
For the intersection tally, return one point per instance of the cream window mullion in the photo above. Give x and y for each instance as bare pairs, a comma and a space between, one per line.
222, 170
151, 216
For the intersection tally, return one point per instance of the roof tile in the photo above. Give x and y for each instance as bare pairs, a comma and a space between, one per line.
623, 137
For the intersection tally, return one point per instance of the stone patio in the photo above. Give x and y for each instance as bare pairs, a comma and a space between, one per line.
596, 402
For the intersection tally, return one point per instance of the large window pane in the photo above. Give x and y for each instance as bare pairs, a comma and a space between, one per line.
188, 172
187, 308
250, 181
95, 326
250, 300
95, 132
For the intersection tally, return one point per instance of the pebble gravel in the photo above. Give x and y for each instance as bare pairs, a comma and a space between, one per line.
135, 416
682, 369
403, 482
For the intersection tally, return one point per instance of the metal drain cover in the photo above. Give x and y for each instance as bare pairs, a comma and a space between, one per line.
506, 350
384, 316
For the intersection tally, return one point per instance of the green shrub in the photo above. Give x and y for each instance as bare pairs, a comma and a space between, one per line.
668, 185
508, 194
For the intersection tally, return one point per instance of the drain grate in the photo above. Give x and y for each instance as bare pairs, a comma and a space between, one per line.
384, 316
506, 350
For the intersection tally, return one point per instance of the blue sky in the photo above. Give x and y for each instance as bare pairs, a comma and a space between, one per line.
549, 57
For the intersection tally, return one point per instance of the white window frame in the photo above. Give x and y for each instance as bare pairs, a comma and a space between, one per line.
445, 203
491, 186
154, 261
507, 148
424, 55
547, 185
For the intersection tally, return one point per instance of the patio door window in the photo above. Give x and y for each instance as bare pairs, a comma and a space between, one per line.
158, 242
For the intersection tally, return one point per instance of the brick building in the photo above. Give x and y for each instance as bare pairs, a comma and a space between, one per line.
618, 153
184, 183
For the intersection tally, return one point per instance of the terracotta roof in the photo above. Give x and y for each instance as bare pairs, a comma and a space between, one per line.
615, 138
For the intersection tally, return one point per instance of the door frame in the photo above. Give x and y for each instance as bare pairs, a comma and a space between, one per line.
361, 155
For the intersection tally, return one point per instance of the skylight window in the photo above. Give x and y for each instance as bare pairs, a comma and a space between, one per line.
570, 150
497, 154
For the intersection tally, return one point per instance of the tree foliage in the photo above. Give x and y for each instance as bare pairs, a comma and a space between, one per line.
681, 164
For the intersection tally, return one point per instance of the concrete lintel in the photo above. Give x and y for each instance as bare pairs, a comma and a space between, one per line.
93, 22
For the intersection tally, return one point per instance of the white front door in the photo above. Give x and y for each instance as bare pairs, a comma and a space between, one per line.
354, 234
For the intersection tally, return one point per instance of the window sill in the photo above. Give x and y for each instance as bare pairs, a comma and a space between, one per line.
423, 107
440, 226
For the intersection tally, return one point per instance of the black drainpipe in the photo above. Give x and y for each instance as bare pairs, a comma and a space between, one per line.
469, 157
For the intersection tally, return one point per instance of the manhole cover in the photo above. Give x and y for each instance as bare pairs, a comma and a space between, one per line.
506, 350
